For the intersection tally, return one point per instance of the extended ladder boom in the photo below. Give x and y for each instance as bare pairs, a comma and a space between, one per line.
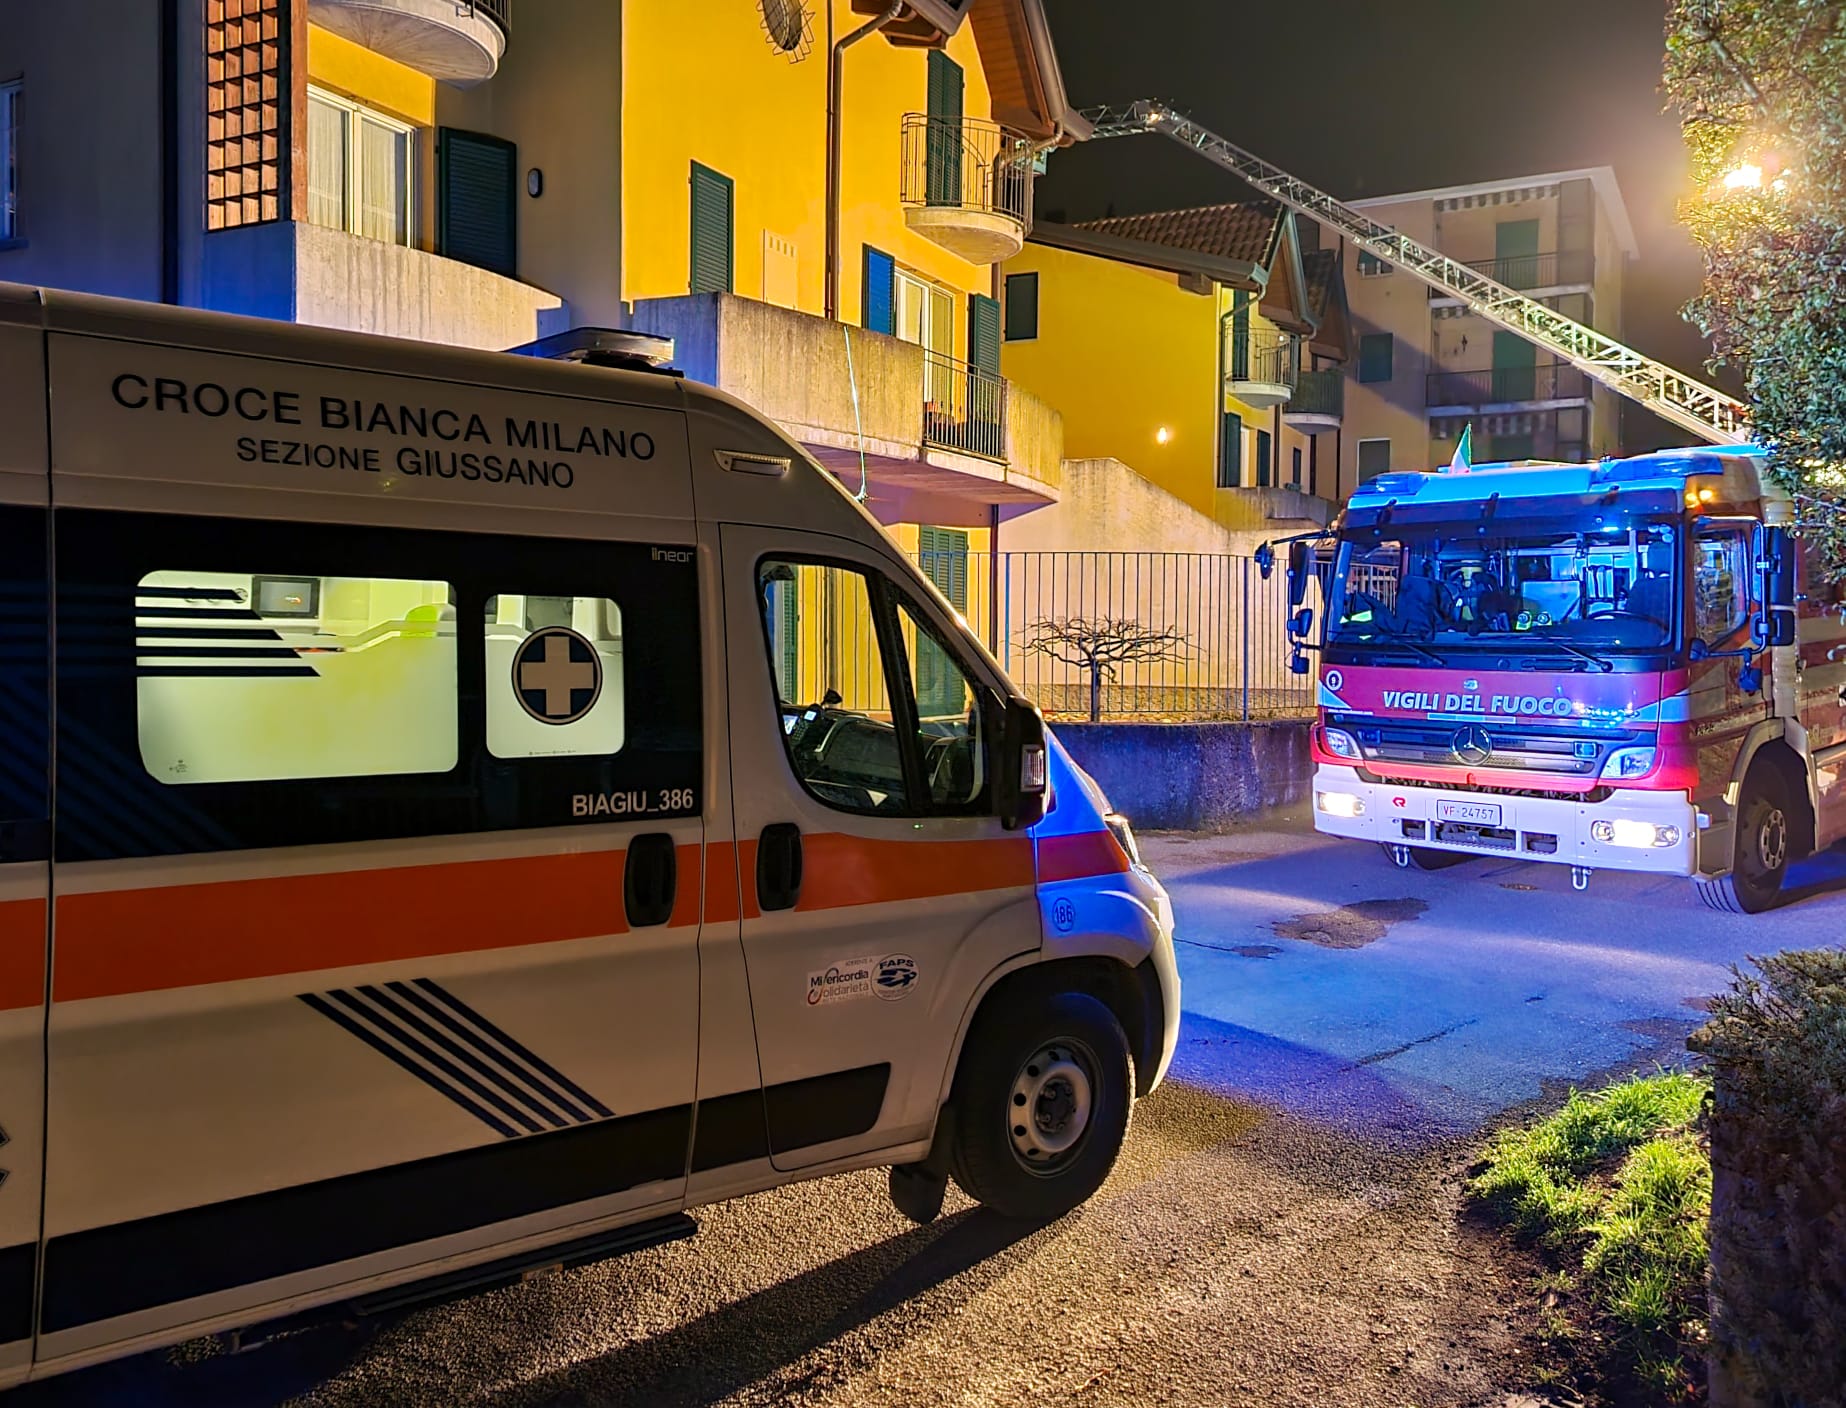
1688, 404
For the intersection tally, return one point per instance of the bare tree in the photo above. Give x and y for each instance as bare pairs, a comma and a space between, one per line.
1101, 646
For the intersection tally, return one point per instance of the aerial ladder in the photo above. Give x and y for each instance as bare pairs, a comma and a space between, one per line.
1691, 405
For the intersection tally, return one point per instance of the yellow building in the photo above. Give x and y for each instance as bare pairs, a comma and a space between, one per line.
1425, 367
810, 196
1200, 348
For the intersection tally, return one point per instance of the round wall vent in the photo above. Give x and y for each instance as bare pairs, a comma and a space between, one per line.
786, 24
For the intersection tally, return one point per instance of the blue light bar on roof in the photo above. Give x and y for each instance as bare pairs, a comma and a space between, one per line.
1403, 483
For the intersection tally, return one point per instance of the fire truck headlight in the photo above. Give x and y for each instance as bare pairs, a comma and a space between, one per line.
1639, 834
1340, 743
1339, 803
1629, 763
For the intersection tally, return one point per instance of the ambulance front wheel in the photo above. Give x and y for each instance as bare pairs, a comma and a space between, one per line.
1041, 1105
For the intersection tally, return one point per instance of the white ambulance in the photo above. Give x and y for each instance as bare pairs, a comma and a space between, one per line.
459, 811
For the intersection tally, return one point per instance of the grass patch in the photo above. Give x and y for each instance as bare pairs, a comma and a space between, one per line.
1617, 1187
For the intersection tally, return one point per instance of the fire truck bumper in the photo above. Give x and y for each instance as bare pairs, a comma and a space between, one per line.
1632, 830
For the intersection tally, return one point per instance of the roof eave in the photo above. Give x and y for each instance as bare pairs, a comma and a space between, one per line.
1232, 273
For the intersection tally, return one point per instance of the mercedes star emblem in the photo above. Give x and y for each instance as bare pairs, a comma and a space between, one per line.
1473, 744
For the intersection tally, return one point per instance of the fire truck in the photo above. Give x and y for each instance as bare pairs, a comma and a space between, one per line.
1613, 666
1625, 665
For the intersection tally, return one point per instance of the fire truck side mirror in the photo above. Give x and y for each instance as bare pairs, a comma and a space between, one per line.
1300, 564
1776, 555
1265, 556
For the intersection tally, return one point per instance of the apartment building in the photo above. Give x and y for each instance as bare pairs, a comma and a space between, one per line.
819, 228
1200, 349
1425, 367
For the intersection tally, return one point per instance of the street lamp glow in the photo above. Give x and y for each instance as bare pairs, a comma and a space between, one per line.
1745, 177
1162, 435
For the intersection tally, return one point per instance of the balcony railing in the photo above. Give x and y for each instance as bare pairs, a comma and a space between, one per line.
1488, 386
967, 182
1527, 271
1321, 393
499, 11
1260, 356
964, 408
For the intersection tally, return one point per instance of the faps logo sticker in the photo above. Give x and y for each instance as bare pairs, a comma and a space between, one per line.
897, 975
557, 675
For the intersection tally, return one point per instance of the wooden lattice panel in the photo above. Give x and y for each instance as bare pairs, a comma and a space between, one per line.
249, 110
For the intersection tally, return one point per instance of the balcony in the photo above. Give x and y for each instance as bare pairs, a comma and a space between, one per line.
306, 273
456, 41
1526, 272
1489, 388
967, 185
1319, 402
1259, 367
941, 442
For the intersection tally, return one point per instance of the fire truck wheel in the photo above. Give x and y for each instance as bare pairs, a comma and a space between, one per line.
1041, 1106
1760, 858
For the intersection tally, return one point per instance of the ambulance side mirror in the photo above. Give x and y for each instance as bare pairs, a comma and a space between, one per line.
1020, 768
1300, 563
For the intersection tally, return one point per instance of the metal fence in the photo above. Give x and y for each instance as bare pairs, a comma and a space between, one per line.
964, 408
1132, 635
968, 163
1528, 271
1484, 386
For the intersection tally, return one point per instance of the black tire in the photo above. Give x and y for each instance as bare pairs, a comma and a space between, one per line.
1027, 1072
1759, 855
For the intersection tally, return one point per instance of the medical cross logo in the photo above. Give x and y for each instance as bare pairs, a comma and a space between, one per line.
557, 675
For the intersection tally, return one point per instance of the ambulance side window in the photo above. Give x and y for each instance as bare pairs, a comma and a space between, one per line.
555, 679
949, 731
842, 719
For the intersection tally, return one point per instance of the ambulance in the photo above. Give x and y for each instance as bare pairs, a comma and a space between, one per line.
460, 811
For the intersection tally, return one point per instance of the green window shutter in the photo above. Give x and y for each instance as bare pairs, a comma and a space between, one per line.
1515, 368
1230, 451
788, 635
943, 555
713, 231
1515, 253
476, 200
984, 333
1021, 307
942, 145
878, 292
1374, 457
1375, 349
1264, 441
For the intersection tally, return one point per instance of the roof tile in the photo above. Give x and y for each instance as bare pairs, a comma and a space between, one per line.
1246, 230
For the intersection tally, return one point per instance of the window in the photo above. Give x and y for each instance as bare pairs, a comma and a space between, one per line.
1721, 582
554, 676
1374, 457
1511, 447
878, 292
983, 334
477, 200
1375, 350
713, 231
1021, 307
360, 176
942, 153
9, 161
354, 683
243, 678
1264, 455
876, 713
1230, 451
1371, 266
1294, 467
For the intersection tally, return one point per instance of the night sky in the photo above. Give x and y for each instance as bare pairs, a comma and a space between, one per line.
1319, 87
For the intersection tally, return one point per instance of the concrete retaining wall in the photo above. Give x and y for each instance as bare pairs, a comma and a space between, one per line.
1194, 777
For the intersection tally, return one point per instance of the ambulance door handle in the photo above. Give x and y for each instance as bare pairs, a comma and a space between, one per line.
778, 866
652, 880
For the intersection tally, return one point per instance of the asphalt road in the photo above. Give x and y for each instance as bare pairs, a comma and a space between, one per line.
1285, 1227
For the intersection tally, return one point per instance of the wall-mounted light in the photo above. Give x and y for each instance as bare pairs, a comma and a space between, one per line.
1162, 435
535, 183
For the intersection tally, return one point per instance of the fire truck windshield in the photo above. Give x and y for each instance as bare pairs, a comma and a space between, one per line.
1583, 591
